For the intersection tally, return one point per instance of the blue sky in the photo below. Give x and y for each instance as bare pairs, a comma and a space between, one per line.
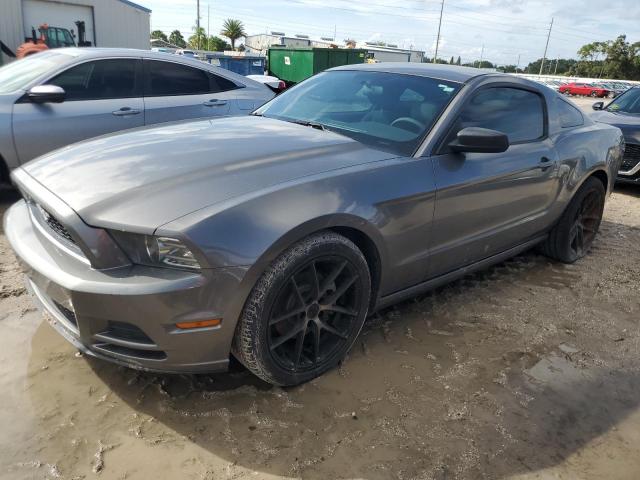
506, 28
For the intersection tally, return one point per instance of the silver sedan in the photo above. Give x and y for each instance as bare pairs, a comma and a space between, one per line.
62, 96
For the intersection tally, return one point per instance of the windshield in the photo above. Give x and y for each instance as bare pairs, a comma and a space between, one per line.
18, 74
628, 102
385, 110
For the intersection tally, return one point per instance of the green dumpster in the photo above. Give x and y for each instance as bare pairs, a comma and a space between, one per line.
296, 64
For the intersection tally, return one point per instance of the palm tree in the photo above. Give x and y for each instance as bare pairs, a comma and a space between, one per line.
233, 30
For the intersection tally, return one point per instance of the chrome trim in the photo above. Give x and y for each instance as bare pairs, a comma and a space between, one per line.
633, 171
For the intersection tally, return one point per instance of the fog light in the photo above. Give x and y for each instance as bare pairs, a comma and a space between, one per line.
214, 322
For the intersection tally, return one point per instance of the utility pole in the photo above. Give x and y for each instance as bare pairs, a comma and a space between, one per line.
198, 23
335, 32
481, 56
208, 23
555, 70
518, 64
435, 58
544, 57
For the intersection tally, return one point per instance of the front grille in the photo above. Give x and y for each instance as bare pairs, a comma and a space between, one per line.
68, 314
631, 157
56, 226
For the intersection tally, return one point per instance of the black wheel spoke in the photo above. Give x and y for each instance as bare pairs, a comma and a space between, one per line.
316, 342
341, 290
328, 328
316, 281
297, 291
299, 346
279, 341
339, 309
286, 316
331, 278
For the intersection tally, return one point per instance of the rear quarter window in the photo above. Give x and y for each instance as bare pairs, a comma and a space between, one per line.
570, 116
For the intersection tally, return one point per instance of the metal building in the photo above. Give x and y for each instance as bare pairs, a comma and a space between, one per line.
108, 23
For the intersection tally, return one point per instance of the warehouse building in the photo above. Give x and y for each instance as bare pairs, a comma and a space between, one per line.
107, 23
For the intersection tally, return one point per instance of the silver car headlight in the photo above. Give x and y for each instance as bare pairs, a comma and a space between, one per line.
156, 251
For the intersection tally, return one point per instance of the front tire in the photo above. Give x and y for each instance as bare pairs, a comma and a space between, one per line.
305, 312
574, 233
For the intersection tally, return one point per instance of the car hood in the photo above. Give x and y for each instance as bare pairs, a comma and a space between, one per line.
144, 178
629, 124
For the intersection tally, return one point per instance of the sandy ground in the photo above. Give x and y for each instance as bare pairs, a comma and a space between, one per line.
529, 370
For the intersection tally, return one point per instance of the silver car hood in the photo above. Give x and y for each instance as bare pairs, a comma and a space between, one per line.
144, 178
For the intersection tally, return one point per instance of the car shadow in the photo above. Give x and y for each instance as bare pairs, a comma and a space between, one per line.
472, 380
628, 189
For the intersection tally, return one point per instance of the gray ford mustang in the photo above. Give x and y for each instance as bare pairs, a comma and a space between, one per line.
272, 236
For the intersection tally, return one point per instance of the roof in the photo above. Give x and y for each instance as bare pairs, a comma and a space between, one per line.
451, 73
135, 5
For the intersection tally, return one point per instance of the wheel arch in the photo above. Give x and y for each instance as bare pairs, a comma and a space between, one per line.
360, 231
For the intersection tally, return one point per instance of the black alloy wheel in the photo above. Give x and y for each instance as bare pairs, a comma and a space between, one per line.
306, 310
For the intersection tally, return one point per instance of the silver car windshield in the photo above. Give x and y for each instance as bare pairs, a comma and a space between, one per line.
384, 110
20, 73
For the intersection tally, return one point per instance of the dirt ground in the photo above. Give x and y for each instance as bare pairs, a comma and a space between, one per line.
529, 370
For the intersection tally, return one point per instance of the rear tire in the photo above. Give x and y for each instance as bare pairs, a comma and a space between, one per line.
305, 312
574, 233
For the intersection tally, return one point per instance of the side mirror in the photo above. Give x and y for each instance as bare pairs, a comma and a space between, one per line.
480, 140
598, 106
46, 94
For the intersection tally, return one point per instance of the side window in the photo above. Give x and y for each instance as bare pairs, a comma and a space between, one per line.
517, 113
220, 84
570, 116
168, 78
99, 80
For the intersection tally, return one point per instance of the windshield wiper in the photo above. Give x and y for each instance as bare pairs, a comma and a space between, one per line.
308, 123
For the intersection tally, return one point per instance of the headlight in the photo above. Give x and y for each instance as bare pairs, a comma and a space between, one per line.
156, 251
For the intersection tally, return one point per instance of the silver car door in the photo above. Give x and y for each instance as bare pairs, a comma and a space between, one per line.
174, 91
487, 203
102, 96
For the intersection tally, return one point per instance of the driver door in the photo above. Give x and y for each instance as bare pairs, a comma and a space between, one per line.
487, 203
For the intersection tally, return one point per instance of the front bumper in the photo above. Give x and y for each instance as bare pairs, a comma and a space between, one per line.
127, 315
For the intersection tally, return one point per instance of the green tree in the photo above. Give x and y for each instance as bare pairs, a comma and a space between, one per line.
176, 38
233, 30
216, 44
199, 39
459, 61
451, 61
159, 35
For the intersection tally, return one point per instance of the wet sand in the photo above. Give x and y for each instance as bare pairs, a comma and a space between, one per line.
528, 370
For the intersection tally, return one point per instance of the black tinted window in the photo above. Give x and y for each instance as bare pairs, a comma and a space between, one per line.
220, 84
167, 78
517, 113
99, 80
570, 116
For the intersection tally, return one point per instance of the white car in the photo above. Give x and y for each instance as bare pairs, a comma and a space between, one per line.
274, 83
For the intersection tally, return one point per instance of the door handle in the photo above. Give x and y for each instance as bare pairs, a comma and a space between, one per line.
214, 103
126, 111
545, 163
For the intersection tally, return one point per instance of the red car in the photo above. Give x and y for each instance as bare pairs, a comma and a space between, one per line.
575, 88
